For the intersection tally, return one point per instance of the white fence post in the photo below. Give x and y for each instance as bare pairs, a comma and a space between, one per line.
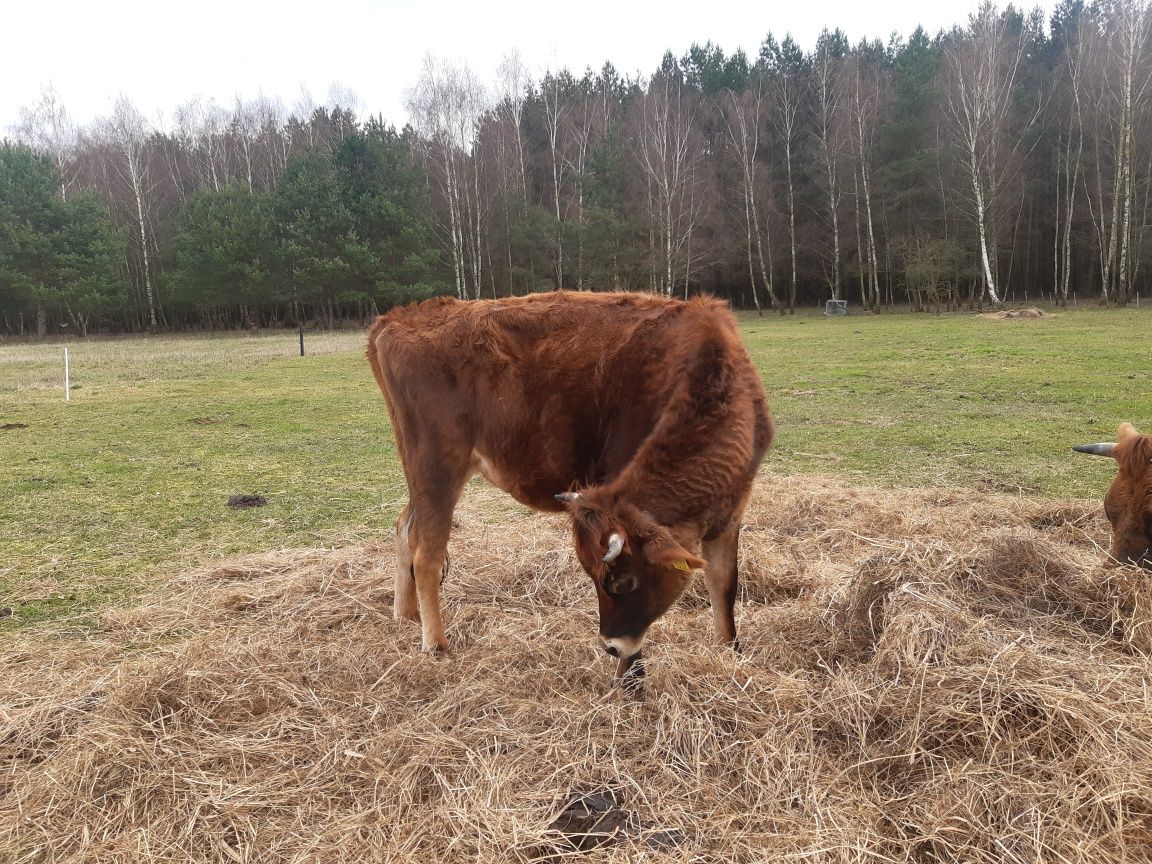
67, 379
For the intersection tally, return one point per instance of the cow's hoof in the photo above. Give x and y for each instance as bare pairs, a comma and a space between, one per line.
436, 649
737, 647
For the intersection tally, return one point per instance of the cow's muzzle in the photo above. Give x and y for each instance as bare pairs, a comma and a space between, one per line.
622, 647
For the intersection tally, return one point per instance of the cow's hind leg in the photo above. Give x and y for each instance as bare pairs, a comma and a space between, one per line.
428, 544
721, 573
404, 605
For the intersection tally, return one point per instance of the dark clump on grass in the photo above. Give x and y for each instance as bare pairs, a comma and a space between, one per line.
591, 819
925, 676
242, 501
13, 425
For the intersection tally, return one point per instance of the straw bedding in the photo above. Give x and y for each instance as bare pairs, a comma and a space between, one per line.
927, 676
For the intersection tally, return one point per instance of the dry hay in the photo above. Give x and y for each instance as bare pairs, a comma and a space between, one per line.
927, 676
1011, 314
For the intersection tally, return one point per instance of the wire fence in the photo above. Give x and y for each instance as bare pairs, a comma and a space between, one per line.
35, 371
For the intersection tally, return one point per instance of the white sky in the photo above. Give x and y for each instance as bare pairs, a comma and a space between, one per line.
160, 53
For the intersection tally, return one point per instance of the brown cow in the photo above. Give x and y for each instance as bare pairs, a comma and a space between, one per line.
645, 414
1128, 503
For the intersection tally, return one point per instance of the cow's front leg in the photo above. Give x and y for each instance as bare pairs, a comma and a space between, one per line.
428, 565
630, 674
721, 573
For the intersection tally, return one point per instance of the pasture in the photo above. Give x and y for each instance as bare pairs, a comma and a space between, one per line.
936, 666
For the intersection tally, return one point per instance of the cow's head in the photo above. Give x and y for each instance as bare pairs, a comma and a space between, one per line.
637, 566
1128, 503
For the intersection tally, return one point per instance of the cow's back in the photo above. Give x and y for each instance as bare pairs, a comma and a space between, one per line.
551, 391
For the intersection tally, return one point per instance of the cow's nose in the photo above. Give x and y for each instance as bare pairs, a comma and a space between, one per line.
621, 646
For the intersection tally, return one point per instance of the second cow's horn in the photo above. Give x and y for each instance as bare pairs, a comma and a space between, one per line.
1104, 448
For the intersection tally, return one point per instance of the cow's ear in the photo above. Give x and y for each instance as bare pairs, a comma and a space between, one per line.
1126, 430
669, 553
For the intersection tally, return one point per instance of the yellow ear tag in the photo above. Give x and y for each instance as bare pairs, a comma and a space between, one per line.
682, 565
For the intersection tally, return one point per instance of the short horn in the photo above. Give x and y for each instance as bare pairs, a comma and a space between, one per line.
615, 547
1104, 448
567, 497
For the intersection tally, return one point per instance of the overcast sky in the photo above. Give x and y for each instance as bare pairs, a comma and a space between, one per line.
160, 54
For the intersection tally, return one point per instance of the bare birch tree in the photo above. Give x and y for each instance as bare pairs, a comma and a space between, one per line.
582, 130
1130, 45
303, 109
203, 127
274, 140
444, 108
1070, 155
787, 64
342, 105
744, 115
866, 94
669, 153
127, 131
982, 64
1117, 82
555, 108
478, 201
244, 130
830, 130
513, 82
47, 128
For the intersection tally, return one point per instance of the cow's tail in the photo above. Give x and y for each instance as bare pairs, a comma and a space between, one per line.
373, 352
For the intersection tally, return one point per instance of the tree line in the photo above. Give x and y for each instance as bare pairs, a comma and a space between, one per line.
1008, 158
324, 221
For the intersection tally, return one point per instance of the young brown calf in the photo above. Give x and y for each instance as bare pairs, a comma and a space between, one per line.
642, 417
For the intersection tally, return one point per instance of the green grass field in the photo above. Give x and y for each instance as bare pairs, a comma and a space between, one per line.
128, 481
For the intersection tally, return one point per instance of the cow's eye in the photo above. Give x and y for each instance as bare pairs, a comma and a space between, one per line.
620, 583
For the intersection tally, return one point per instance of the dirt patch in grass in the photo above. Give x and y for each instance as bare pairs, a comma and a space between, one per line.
927, 675
1013, 314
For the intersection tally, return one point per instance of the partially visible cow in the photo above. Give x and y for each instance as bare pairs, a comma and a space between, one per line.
642, 417
1128, 503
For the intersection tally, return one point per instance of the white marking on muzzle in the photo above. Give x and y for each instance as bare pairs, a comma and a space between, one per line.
624, 646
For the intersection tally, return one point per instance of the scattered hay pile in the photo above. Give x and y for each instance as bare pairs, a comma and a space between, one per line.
1009, 314
928, 677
